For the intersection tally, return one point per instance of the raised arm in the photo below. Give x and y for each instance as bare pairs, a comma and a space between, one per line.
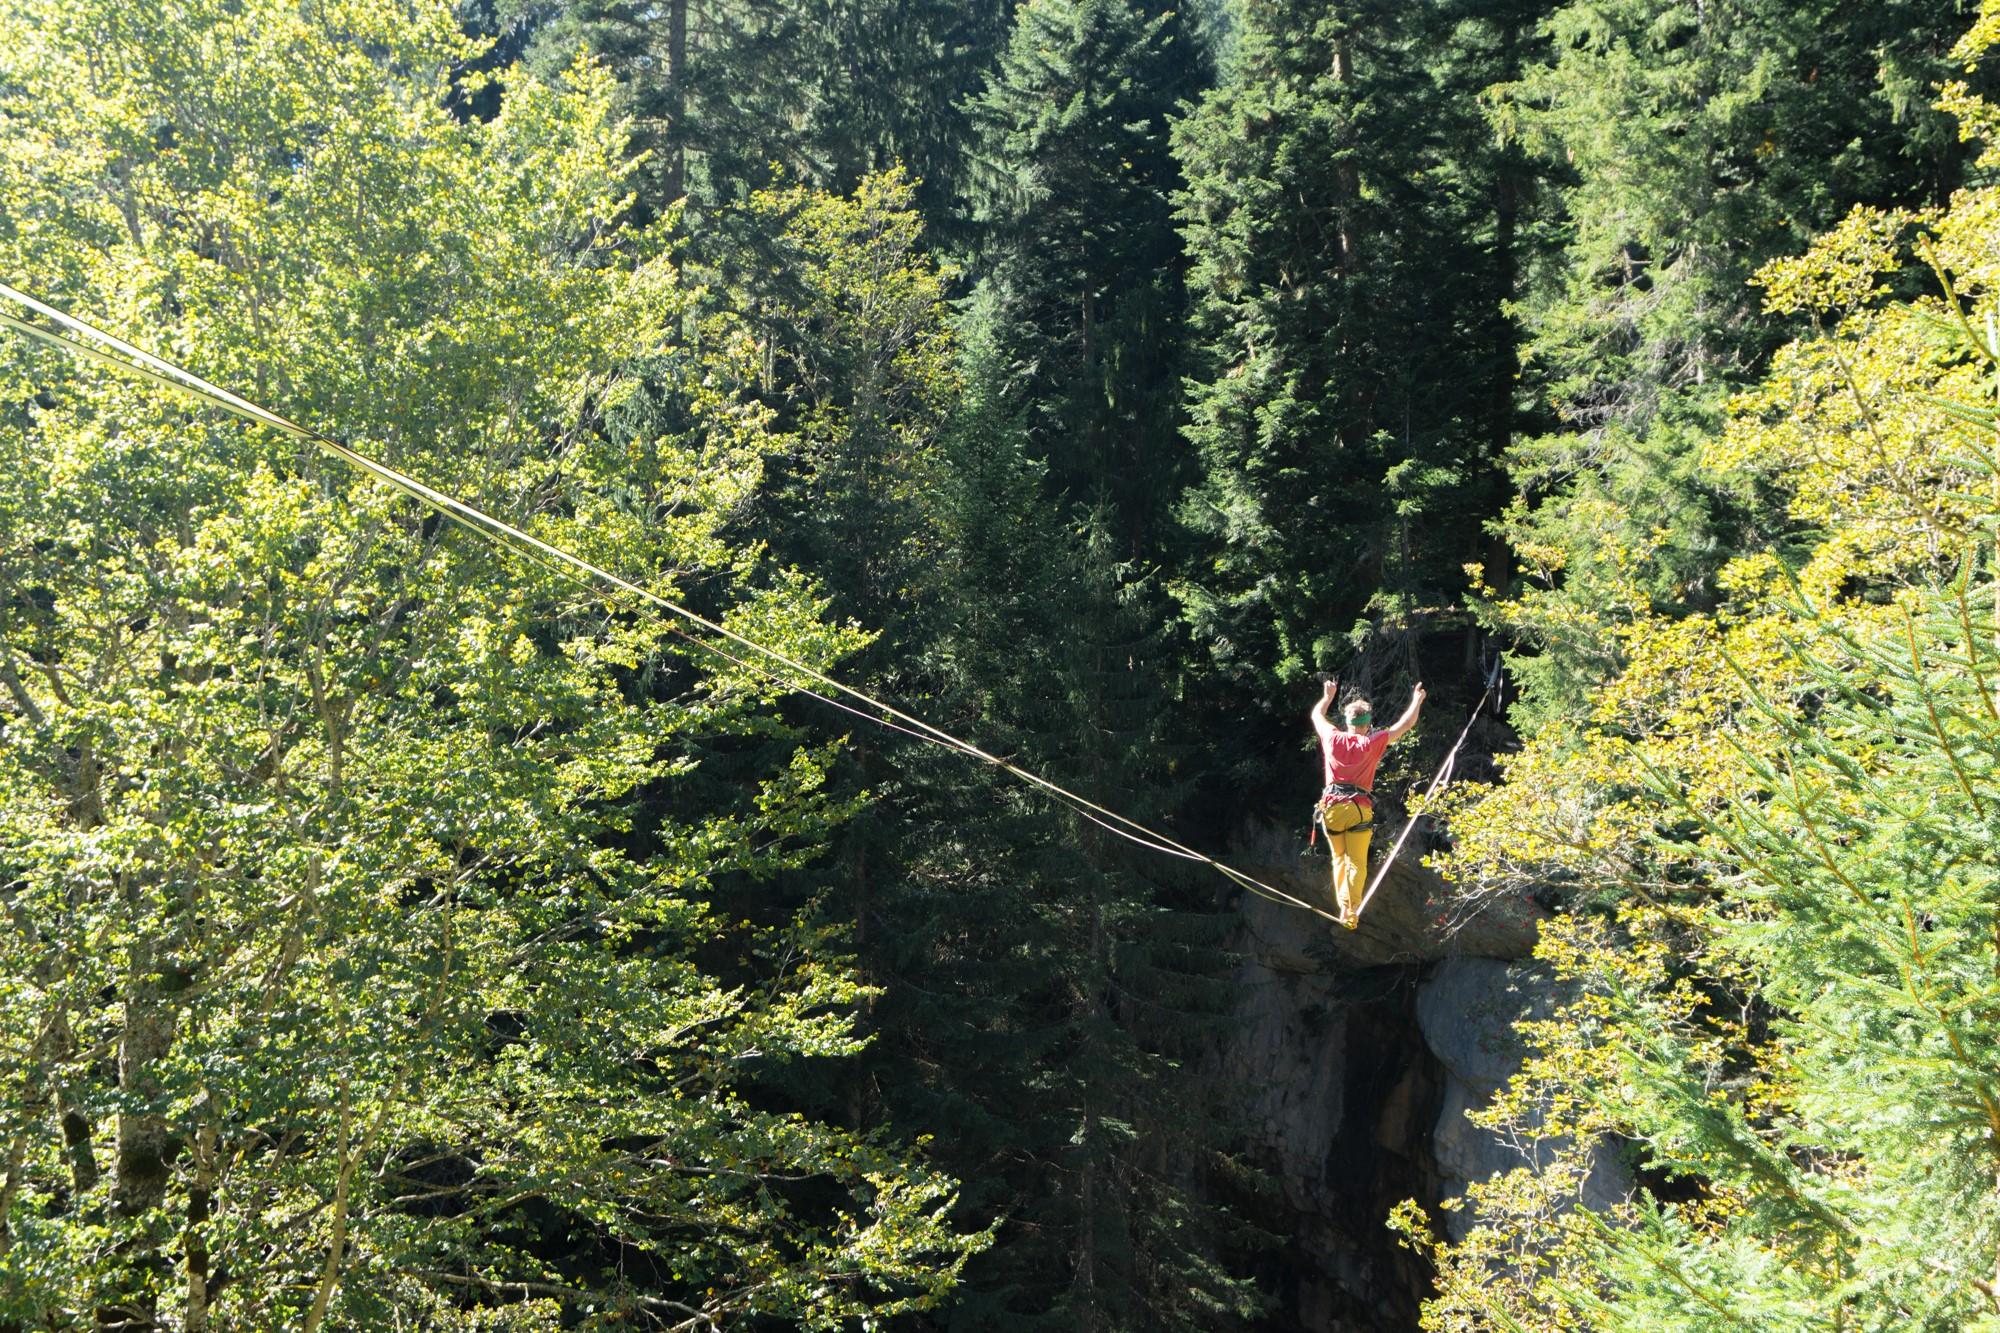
1409, 717
1321, 723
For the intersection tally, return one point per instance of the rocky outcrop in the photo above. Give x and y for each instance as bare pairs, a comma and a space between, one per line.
1412, 918
1466, 1010
1357, 1056
1340, 1096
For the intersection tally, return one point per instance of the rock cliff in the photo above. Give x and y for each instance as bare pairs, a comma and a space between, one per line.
1358, 1055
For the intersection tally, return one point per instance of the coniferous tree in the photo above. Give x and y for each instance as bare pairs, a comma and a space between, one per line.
1693, 142
1013, 953
1341, 401
1121, 1195
724, 91
1032, 950
1073, 359
1682, 146
1079, 259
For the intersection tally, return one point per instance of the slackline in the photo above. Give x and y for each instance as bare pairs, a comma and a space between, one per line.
117, 354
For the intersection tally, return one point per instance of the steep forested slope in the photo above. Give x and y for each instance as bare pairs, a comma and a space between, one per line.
397, 933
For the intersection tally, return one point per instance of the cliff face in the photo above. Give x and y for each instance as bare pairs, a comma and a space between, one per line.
1358, 1055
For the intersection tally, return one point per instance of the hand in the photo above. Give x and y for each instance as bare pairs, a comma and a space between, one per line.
1418, 695
1332, 688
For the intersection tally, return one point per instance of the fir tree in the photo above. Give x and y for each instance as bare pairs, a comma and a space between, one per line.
1013, 952
723, 91
1342, 399
1681, 146
1690, 143
1079, 260
1031, 951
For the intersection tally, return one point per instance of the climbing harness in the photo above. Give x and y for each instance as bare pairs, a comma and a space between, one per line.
117, 354
1444, 774
1341, 793
1346, 814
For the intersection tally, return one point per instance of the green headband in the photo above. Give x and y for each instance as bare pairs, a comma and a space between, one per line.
1360, 719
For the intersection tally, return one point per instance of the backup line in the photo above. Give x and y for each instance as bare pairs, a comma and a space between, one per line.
127, 358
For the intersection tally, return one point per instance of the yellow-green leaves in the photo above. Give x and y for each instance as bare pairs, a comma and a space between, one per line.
361, 879
1777, 825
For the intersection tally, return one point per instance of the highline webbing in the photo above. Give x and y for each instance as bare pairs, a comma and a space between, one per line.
117, 354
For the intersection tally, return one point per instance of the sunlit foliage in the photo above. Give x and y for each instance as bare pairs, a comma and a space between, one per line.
353, 976
1776, 827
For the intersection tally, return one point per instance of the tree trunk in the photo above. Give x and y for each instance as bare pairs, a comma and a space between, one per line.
76, 1129
1506, 260
1347, 238
144, 1141
10, 1184
677, 54
201, 1194
336, 1249
139, 1182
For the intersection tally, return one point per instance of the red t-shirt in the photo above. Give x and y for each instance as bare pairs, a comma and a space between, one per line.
1351, 757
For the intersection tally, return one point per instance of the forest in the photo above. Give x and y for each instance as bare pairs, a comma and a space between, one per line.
405, 932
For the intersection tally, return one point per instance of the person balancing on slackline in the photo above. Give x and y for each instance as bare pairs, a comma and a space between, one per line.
1347, 806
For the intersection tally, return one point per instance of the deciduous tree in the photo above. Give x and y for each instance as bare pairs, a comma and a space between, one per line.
352, 977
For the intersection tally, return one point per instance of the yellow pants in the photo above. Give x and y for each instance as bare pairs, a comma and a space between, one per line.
1350, 851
